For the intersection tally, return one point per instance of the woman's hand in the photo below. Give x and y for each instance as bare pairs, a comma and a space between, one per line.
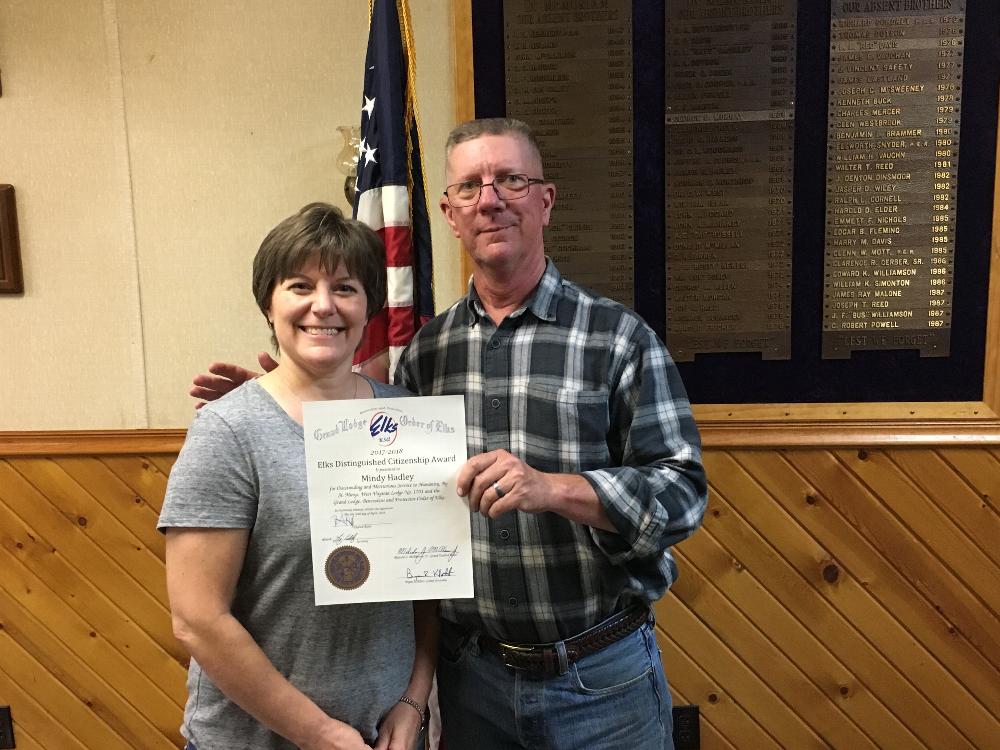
336, 735
399, 729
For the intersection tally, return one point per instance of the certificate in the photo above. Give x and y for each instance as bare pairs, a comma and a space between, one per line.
385, 520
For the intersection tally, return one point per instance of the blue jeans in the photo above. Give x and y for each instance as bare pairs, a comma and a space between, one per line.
614, 699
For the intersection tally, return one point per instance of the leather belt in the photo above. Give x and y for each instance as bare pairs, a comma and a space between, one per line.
542, 659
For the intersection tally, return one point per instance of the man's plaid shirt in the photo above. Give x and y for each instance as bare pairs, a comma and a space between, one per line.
572, 383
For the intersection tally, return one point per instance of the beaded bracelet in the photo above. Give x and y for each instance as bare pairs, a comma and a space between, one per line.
418, 708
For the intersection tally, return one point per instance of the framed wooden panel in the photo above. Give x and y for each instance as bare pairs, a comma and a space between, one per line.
11, 281
871, 421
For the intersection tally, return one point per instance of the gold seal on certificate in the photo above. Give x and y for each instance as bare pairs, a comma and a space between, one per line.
347, 567
385, 519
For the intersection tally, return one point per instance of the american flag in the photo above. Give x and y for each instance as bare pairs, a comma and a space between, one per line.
390, 194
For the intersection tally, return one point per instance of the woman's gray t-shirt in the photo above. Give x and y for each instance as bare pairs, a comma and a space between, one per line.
243, 466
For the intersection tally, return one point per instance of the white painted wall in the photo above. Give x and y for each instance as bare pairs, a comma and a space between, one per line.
152, 144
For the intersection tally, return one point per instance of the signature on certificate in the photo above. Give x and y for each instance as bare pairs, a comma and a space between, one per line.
345, 537
417, 554
429, 573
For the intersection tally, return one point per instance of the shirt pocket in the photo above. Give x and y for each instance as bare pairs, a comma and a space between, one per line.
561, 429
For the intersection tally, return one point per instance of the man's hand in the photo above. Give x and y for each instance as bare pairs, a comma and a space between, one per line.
528, 490
222, 377
522, 487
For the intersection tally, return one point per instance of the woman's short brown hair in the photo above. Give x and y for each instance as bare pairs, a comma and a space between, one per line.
320, 230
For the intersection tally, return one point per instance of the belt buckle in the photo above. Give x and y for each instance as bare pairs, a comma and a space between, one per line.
509, 652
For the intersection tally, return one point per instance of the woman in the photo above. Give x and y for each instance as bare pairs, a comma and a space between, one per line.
269, 668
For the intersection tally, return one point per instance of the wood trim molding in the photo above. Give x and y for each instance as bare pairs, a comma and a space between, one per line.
991, 375
461, 40
736, 433
838, 413
465, 95
95, 442
854, 434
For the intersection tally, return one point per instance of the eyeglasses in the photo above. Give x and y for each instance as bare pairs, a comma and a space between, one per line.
508, 187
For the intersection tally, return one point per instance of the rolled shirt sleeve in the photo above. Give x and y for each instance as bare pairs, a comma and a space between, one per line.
657, 494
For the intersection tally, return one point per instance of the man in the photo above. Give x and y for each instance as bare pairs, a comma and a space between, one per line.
585, 468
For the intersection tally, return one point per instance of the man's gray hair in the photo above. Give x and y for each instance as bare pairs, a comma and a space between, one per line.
469, 131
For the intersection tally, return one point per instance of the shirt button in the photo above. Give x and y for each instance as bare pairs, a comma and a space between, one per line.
504, 534
495, 343
512, 601
495, 403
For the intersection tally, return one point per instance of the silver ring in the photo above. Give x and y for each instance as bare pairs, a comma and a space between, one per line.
496, 489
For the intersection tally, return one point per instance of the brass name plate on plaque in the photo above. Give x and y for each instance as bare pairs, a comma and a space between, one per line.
568, 74
730, 89
891, 175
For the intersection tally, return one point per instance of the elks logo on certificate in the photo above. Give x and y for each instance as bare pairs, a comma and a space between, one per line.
385, 520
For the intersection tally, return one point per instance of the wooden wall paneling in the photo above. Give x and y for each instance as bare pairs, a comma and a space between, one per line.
835, 582
24, 740
97, 632
928, 521
894, 591
710, 736
81, 616
162, 462
86, 578
791, 636
132, 510
743, 685
725, 716
838, 584
953, 498
61, 705
901, 548
980, 468
89, 517
711, 739
799, 590
123, 697
142, 475
31, 718
762, 655
756, 610
62, 532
